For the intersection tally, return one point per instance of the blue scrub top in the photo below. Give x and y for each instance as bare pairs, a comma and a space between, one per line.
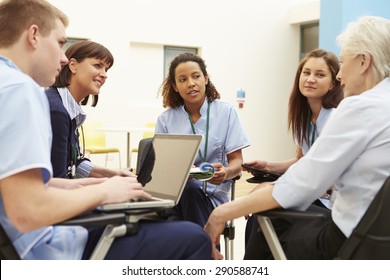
226, 135
25, 143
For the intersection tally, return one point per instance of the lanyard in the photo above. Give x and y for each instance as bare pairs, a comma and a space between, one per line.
73, 161
203, 159
311, 134
75, 156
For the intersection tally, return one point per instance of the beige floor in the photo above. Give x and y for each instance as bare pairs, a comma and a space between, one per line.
242, 188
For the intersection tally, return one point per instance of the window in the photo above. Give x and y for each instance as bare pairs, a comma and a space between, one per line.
309, 38
171, 52
72, 40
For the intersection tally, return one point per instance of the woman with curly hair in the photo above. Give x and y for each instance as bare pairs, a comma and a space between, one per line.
194, 108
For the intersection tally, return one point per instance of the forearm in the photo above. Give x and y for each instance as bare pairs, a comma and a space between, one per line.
101, 172
60, 183
234, 164
73, 183
234, 168
280, 166
67, 204
30, 204
260, 199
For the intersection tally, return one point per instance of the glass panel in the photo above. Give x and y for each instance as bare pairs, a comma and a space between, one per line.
72, 40
309, 38
171, 52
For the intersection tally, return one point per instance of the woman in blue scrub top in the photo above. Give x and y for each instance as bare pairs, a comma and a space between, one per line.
194, 108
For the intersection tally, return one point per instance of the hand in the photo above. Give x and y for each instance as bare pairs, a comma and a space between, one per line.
120, 189
219, 175
214, 230
125, 173
259, 164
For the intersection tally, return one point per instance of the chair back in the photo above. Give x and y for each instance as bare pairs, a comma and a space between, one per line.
7, 250
141, 151
149, 134
92, 136
371, 237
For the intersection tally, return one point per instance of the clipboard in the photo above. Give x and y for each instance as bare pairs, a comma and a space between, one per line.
260, 175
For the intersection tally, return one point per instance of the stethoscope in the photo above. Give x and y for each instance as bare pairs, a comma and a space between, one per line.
76, 155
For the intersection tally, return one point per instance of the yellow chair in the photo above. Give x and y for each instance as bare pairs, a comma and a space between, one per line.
95, 141
146, 134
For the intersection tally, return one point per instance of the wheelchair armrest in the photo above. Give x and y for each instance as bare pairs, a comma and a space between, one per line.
238, 177
290, 213
114, 217
115, 223
96, 219
264, 219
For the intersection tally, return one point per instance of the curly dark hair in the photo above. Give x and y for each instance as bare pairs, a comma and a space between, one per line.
299, 109
80, 51
170, 97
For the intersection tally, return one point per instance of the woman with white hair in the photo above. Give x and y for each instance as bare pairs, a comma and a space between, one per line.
351, 153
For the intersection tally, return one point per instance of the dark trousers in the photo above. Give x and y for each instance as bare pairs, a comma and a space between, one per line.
156, 241
301, 239
194, 205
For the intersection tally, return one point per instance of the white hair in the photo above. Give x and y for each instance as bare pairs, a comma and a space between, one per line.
369, 35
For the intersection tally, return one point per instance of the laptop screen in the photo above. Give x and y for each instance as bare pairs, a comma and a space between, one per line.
174, 157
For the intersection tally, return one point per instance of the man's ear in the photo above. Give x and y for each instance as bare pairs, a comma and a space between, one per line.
32, 35
72, 64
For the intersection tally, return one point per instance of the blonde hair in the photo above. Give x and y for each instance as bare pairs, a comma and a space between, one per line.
18, 15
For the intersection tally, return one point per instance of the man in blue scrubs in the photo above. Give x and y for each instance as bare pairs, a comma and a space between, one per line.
31, 55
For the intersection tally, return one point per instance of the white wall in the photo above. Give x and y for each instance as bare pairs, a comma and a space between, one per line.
247, 44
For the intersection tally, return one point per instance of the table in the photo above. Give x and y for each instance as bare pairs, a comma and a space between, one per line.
128, 131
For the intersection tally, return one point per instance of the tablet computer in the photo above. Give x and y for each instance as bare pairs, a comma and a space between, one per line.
260, 175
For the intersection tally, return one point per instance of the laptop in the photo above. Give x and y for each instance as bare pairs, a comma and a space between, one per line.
174, 155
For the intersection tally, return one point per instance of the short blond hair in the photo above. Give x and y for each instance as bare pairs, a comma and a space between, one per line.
18, 15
